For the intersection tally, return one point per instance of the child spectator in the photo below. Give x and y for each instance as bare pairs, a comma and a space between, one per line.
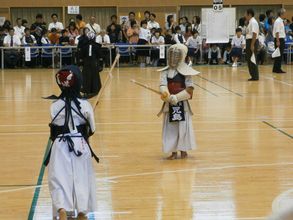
214, 54
28, 39
64, 39
238, 44
45, 39
227, 59
144, 39
194, 43
157, 40
54, 36
179, 38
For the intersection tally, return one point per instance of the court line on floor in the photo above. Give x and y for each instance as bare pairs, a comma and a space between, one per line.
236, 93
278, 129
208, 91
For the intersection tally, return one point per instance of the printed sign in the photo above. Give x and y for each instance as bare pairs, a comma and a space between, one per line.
73, 10
218, 5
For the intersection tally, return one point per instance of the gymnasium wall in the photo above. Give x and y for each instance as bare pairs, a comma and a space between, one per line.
12, 9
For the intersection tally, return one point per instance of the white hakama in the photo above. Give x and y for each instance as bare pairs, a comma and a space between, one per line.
72, 178
177, 136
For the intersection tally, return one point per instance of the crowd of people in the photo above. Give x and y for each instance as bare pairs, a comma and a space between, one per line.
145, 32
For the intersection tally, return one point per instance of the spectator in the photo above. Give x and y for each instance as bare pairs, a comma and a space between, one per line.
79, 22
269, 13
114, 35
194, 43
288, 31
45, 39
269, 36
227, 59
179, 38
78, 36
72, 32
214, 54
24, 23
242, 25
104, 40
238, 44
7, 25
28, 39
19, 29
2, 36
157, 40
261, 19
147, 15
11, 57
188, 32
133, 33
291, 25
261, 55
152, 22
170, 24
196, 24
169, 37
38, 27
131, 18
183, 24
64, 39
93, 26
54, 36
144, 39
117, 27
55, 23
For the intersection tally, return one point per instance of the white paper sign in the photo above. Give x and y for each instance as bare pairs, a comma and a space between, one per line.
276, 53
27, 52
73, 10
162, 52
252, 59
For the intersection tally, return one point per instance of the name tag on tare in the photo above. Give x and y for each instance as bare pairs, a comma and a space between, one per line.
176, 112
90, 50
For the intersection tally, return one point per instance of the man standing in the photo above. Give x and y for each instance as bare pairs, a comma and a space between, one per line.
252, 32
279, 36
93, 26
19, 29
55, 23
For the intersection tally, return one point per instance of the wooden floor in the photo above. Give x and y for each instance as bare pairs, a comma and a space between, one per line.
244, 158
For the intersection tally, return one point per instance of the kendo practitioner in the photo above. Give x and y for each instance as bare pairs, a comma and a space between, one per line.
90, 54
176, 87
71, 177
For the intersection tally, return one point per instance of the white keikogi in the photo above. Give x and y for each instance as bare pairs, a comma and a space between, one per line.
71, 177
176, 85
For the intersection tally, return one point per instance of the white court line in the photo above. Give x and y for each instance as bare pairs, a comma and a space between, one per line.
168, 171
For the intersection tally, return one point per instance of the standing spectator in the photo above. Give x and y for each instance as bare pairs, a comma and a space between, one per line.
179, 38
252, 33
93, 26
28, 39
38, 27
170, 24
238, 44
55, 23
147, 15
261, 19
242, 25
79, 22
152, 22
188, 32
214, 54
194, 43
133, 33
269, 13
183, 24
54, 36
114, 35
131, 18
157, 40
11, 57
144, 39
19, 29
117, 27
72, 32
196, 25
104, 40
279, 35
269, 36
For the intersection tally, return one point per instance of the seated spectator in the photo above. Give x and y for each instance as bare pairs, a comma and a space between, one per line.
238, 44
28, 39
79, 22
45, 39
157, 40
93, 26
72, 32
19, 29
133, 33
194, 43
12, 56
227, 59
288, 31
38, 27
214, 54
242, 25
179, 38
169, 37
54, 36
55, 24
64, 39
144, 39
152, 22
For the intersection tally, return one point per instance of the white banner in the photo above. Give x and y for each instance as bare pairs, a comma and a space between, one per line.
27, 54
73, 10
162, 52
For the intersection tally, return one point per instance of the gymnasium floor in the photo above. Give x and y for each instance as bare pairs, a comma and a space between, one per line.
244, 159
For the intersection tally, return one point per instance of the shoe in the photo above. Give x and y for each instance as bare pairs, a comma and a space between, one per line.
278, 71
173, 156
251, 79
234, 65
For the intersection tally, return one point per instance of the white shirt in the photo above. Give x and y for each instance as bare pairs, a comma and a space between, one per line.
24, 40
159, 40
176, 38
103, 40
77, 39
279, 28
153, 24
19, 31
94, 27
144, 34
7, 41
58, 25
238, 41
45, 40
193, 42
196, 27
252, 27
216, 50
